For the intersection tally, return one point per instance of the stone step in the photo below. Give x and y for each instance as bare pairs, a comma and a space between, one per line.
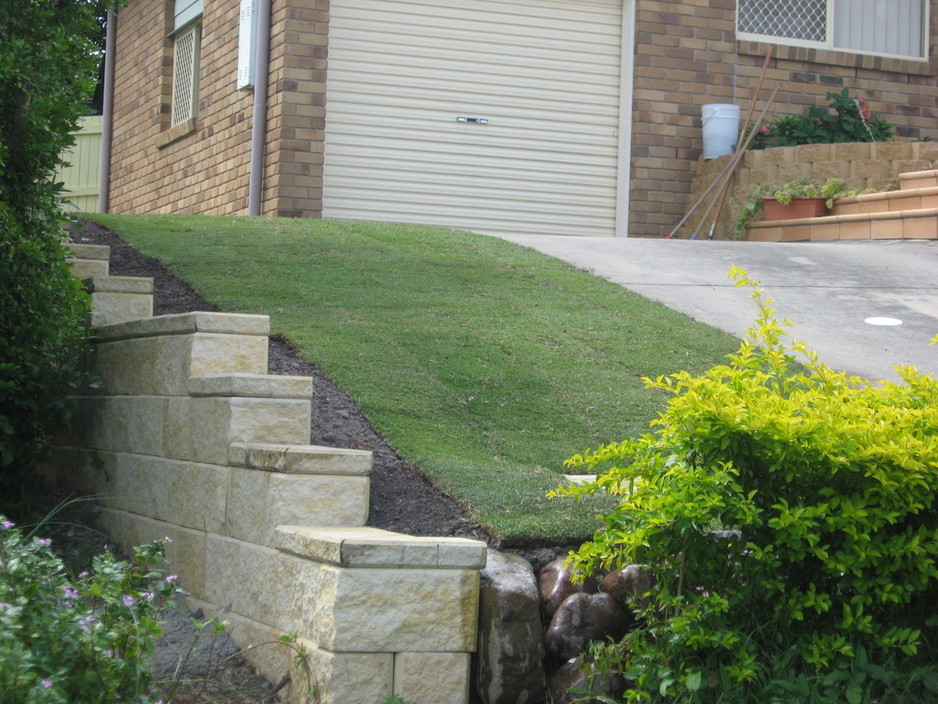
159, 355
300, 459
888, 201
117, 299
88, 259
906, 224
918, 179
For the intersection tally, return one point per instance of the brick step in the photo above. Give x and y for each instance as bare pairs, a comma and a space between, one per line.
918, 179
888, 201
919, 223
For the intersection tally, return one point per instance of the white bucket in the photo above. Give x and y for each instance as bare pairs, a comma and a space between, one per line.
720, 129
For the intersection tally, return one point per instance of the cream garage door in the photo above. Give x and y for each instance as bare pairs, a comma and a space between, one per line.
498, 116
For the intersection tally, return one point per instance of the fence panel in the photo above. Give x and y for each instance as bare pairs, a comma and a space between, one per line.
82, 176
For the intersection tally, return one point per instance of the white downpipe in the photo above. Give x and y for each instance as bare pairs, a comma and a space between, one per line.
259, 118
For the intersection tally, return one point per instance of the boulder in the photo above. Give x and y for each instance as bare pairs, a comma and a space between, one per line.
509, 663
582, 618
568, 684
556, 582
628, 585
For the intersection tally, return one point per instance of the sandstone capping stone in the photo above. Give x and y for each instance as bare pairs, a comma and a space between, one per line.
88, 251
245, 385
119, 284
365, 547
300, 459
187, 323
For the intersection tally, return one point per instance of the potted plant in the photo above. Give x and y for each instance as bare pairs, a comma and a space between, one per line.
801, 198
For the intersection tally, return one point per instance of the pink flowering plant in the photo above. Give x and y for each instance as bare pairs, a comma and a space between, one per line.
77, 640
846, 119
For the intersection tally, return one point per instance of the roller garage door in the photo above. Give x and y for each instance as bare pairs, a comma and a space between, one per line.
498, 116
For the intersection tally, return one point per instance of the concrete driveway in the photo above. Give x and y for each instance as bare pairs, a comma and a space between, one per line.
837, 295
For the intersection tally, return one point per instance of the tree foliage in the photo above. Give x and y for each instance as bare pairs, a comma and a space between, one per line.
48, 64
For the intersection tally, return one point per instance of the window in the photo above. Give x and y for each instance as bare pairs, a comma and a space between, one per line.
187, 36
185, 74
884, 27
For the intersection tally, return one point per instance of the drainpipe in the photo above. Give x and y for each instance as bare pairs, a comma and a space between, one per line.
107, 128
259, 121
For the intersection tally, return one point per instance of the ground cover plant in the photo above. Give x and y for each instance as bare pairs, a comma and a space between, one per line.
480, 361
83, 638
789, 517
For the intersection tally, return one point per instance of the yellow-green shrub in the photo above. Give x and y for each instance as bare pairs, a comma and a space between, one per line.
789, 514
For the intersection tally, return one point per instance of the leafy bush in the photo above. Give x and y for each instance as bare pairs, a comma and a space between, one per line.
845, 119
790, 517
76, 641
830, 190
47, 69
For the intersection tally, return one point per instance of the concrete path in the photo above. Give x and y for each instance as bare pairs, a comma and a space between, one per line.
829, 291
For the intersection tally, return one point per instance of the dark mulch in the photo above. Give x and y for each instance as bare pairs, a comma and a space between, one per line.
402, 500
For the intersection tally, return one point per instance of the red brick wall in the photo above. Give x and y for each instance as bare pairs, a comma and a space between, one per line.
686, 56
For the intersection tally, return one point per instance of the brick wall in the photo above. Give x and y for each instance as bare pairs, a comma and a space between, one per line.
193, 168
296, 110
687, 56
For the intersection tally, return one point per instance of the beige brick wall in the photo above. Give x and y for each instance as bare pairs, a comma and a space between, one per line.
205, 171
687, 56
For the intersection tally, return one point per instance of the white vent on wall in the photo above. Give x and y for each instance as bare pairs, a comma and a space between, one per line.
185, 74
247, 31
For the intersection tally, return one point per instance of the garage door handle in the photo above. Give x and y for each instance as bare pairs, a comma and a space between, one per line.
477, 120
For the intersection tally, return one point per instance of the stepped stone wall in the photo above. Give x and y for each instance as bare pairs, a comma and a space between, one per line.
861, 165
189, 438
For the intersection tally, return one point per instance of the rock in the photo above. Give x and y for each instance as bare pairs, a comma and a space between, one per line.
555, 583
582, 618
628, 585
509, 664
568, 684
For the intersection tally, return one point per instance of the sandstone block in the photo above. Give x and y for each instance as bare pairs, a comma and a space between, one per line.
251, 386
188, 494
185, 555
86, 268
373, 547
388, 610
300, 459
111, 308
260, 501
432, 678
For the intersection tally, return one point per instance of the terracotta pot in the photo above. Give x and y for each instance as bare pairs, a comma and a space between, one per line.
798, 208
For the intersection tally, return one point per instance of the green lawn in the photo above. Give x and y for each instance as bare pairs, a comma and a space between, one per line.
483, 363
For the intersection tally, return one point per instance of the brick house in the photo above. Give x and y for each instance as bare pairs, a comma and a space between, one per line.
574, 117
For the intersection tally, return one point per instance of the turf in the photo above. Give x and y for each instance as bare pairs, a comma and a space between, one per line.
484, 363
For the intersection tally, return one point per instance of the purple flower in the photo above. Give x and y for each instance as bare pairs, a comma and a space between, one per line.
43, 542
129, 601
7, 524
171, 579
46, 683
4, 605
70, 593
167, 539
85, 623
82, 575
